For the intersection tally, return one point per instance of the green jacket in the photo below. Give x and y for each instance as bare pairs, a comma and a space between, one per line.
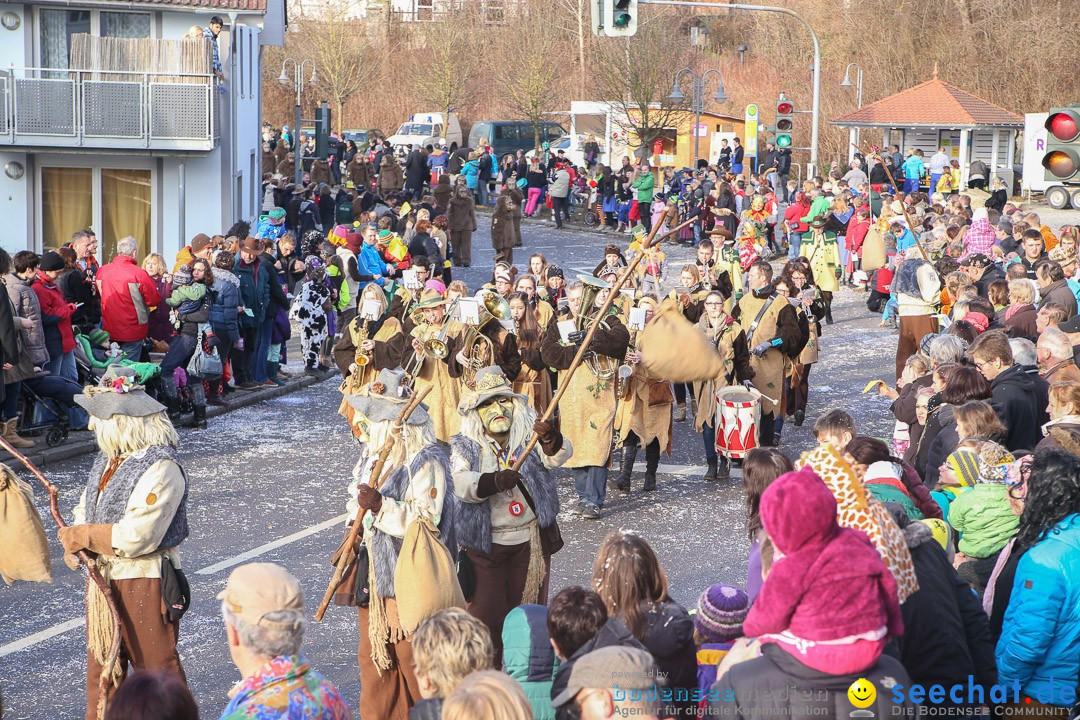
183, 293
887, 493
819, 207
984, 519
529, 658
644, 186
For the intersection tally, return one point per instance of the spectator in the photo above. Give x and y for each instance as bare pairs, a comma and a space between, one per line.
760, 467
529, 657
1041, 630
153, 695
613, 682
1013, 391
16, 326
224, 318
200, 247
559, 191
1053, 287
446, 648
487, 695
77, 284
981, 514
721, 610
127, 294
56, 317
263, 610
160, 329
211, 33
191, 300
254, 307
628, 576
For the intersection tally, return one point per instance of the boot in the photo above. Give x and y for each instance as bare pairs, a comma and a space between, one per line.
172, 398
725, 469
272, 373
710, 474
652, 460
828, 314
215, 396
199, 422
626, 468
680, 412
13, 437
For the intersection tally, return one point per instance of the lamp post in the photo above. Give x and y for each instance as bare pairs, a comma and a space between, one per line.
298, 82
854, 134
697, 97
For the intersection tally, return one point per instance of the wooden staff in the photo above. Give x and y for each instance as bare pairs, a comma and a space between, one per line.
375, 481
92, 572
584, 348
903, 207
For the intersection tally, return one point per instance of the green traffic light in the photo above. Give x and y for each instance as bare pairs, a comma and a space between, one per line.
783, 141
622, 19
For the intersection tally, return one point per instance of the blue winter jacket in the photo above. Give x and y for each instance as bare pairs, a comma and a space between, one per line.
1040, 637
529, 658
370, 263
471, 171
254, 291
224, 316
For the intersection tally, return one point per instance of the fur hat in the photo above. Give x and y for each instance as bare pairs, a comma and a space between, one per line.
721, 610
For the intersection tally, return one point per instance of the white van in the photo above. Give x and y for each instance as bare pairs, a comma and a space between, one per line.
423, 129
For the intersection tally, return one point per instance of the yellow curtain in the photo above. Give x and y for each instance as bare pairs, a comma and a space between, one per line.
67, 204
125, 210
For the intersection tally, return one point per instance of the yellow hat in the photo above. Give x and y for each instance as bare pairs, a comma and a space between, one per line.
255, 590
940, 530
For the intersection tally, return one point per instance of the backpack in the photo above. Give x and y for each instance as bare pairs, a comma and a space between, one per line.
344, 214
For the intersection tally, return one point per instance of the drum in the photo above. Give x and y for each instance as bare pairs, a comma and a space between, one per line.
738, 412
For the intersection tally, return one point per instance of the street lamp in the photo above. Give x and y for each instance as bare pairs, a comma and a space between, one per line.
697, 97
854, 135
298, 82
742, 54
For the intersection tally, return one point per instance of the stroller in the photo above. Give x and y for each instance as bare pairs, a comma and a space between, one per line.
43, 415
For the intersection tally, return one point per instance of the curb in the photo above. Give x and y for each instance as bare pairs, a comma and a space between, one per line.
42, 456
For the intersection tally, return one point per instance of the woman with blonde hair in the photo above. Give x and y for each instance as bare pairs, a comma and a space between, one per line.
634, 587
1063, 430
487, 695
160, 328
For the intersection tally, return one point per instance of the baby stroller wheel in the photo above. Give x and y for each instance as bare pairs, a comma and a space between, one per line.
56, 436
590, 218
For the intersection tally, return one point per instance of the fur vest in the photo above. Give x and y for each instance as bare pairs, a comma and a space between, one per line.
385, 548
474, 519
906, 280
111, 506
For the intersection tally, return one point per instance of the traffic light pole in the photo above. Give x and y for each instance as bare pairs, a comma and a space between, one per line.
816, 111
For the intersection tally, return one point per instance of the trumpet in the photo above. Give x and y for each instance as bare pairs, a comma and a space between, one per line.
436, 346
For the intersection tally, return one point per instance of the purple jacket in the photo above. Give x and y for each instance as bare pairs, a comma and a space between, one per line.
159, 327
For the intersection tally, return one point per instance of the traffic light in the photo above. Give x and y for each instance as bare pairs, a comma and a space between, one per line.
1062, 158
322, 131
785, 121
620, 17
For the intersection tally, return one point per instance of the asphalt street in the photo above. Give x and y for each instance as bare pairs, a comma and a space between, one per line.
268, 482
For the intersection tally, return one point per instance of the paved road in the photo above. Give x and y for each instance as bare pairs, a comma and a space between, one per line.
269, 482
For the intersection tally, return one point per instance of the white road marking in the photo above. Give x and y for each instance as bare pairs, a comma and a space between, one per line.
64, 627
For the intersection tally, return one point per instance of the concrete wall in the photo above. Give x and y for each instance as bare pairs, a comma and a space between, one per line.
16, 45
15, 206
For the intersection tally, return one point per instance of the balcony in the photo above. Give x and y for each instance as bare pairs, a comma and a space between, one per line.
109, 110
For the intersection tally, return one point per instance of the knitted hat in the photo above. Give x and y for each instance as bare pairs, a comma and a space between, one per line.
721, 610
182, 276
51, 261
994, 462
98, 337
965, 463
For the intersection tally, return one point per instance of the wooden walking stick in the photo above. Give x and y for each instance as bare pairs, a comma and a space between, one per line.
91, 571
903, 207
374, 480
584, 348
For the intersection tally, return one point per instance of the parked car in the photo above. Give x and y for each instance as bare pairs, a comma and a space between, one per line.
571, 148
509, 136
424, 129
363, 138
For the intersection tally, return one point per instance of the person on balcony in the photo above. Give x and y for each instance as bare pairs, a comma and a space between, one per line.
211, 33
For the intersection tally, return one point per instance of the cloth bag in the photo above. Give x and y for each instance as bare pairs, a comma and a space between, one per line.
673, 349
205, 366
425, 579
873, 250
25, 554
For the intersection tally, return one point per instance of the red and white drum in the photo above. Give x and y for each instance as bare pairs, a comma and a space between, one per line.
738, 412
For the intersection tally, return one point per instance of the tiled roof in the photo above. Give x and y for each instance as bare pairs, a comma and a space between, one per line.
934, 102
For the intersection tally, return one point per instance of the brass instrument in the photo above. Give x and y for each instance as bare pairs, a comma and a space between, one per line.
476, 346
602, 366
436, 346
626, 371
361, 358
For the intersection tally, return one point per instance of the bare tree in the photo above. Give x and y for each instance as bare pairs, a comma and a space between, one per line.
528, 84
636, 85
453, 59
577, 16
342, 51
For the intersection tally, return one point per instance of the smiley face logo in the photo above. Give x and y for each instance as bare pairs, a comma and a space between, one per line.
862, 693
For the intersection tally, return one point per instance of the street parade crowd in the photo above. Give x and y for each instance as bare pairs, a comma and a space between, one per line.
946, 555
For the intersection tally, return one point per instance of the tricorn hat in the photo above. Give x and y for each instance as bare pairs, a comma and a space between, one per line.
385, 398
118, 393
490, 382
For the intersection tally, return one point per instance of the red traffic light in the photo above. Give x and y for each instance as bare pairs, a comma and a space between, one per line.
783, 108
1062, 164
1064, 126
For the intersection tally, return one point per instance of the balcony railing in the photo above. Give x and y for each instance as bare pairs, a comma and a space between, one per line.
44, 107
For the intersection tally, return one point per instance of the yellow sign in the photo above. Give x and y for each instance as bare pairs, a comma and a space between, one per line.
750, 145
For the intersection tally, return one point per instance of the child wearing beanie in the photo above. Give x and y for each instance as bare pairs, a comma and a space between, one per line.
721, 610
958, 473
187, 296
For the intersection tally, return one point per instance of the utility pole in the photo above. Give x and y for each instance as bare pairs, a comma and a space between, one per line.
716, 7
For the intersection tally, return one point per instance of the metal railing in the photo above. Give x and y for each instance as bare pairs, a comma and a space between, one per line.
109, 109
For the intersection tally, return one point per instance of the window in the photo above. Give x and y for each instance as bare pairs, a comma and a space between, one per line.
506, 132
125, 209
57, 27
67, 204
553, 132
424, 10
125, 24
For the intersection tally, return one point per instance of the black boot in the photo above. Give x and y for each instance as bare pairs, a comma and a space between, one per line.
652, 460
800, 416
725, 469
710, 474
199, 412
172, 399
828, 313
626, 468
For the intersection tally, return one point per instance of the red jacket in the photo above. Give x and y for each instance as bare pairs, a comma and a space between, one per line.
53, 303
792, 215
856, 233
127, 294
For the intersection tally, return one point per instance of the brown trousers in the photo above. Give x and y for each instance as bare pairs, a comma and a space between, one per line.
500, 581
461, 241
147, 639
912, 330
390, 695
505, 255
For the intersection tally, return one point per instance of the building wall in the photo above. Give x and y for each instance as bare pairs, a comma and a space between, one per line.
15, 204
15, 44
